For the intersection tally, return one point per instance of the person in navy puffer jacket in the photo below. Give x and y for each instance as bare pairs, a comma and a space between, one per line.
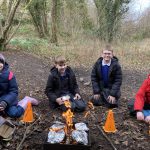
9, 93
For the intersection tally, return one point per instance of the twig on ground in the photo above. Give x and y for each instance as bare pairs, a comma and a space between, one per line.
103, 133
26, 131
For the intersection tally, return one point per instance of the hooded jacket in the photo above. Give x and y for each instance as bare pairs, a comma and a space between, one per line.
143, 95
53, 87
114, 77
8, 86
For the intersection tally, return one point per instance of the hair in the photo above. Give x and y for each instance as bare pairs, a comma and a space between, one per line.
60, 60
108, 47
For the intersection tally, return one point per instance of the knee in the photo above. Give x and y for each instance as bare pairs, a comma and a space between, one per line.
80, 106
97, 102
15, 111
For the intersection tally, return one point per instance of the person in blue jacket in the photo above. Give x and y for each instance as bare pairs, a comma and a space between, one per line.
9, 92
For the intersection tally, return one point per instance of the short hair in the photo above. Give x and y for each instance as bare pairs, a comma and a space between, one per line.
109, 48
60, 60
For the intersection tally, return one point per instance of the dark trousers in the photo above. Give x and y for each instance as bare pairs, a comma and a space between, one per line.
76, 105
103, 100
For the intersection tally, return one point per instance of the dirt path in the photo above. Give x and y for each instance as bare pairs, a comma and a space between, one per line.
32, 74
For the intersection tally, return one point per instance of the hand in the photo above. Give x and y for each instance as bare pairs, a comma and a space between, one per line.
96, 96
77, 96
1, 108
139, 115
60, 101
147, 119
112, 99
3, 105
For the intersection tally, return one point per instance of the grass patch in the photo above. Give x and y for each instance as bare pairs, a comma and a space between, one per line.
83, 50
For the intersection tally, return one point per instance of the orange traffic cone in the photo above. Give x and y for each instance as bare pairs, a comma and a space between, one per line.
28, 114
110, 123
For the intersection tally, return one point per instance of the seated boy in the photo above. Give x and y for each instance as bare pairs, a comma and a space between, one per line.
9, 93
106, 79
141, 105
62, 82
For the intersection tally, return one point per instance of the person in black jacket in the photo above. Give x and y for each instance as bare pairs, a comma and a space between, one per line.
62, 82
106, 79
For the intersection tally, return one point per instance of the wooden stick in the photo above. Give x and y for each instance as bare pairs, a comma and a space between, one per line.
25, 134
103, 133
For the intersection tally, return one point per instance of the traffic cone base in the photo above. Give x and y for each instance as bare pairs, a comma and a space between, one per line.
109, 131
110, 123
28, 114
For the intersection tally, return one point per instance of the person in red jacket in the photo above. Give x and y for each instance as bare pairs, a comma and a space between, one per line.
142, 101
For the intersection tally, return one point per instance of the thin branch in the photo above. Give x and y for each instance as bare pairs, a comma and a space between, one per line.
106, 137
101, 130
1, 27
25, 134
10, 18
11, 36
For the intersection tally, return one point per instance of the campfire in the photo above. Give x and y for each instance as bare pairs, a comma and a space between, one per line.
68, 133
68, 115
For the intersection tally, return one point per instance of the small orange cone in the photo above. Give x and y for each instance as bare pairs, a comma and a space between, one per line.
28, 114
110, 123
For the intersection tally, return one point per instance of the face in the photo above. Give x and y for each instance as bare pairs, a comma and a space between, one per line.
1, 66
61, 68
107, 55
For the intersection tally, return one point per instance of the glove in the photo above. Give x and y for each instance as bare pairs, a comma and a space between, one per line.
3, 105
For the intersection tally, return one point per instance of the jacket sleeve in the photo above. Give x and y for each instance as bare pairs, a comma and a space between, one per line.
49, 91
140, 96
95, 81
11, 96
117, 81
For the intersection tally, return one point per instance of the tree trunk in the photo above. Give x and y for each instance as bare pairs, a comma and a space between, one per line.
2, 44
37, 10
54, 22
6, 27
110, 13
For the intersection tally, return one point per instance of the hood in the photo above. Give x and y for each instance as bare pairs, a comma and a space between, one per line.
115, 58
54, 70
6, 67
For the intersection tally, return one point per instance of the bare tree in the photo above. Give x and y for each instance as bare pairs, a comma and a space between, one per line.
110, 12
37, 9
54, 21
6, 24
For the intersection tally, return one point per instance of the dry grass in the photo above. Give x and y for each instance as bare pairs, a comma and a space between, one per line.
84, 51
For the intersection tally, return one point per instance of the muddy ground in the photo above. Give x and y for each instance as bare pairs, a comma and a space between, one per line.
32, 73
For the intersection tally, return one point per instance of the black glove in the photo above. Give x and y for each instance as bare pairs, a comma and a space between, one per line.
3, 105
